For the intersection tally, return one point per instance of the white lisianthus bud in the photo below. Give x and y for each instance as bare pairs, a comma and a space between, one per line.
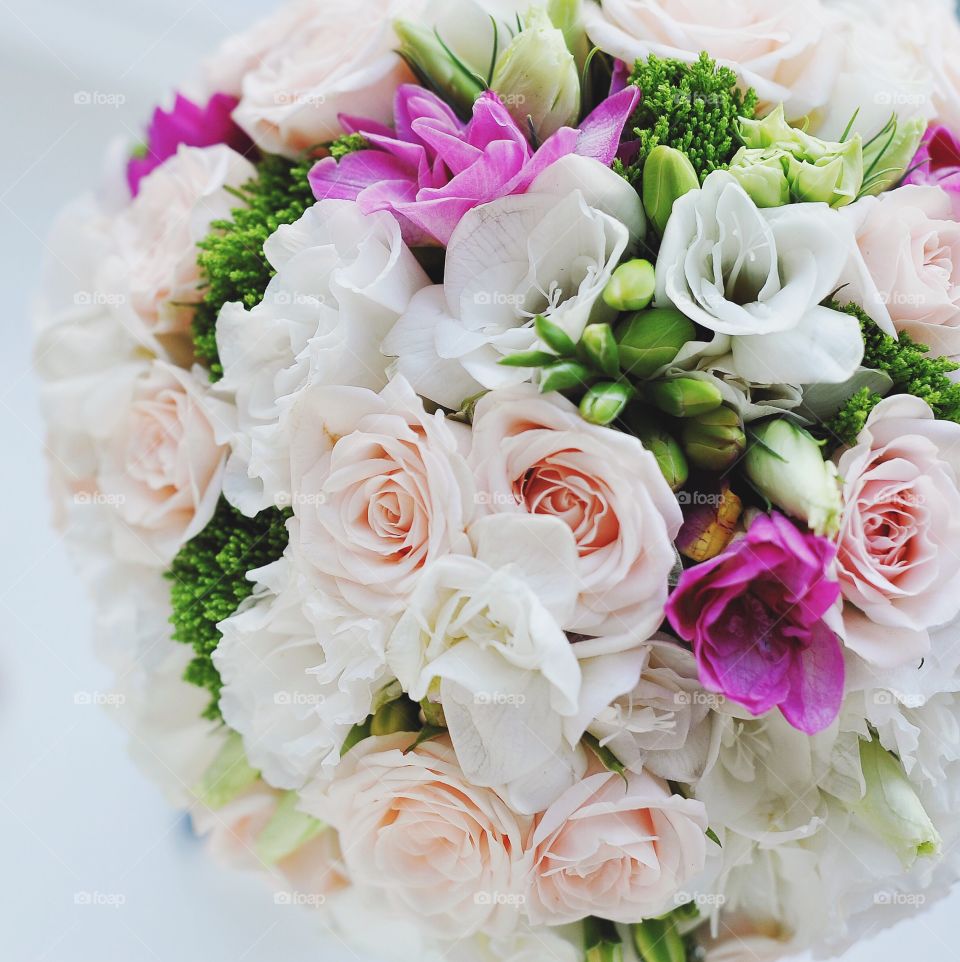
537, 77
891, 807
785, 464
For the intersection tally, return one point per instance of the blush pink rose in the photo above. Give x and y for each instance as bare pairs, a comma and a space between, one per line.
438, 848
898, 563
153, 278
617, 848
534, 453
161, 468
911, 246
339, 61
380, 488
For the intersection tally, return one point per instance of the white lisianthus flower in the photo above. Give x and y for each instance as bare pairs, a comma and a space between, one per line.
291, 688
755, 278
550, 251
789, 52
343, 278
489, 628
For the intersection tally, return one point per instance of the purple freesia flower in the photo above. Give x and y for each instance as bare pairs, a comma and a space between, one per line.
432, 168
755, 617
190, 124
937, 163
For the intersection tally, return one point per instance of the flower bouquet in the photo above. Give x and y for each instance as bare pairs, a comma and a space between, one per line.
515, 455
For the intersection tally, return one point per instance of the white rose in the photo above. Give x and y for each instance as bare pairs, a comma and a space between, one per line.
756, 279
342, 280
534, 453
489, 627
380, 489
340, 61
161, 467
789, 52
550, 251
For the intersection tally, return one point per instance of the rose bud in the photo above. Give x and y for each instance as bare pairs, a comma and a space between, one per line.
650, 340
421, 48
713, 441
685, 397
709, 525
891, 807
632, 286
664, 447
537, 77
785, 464
667, 176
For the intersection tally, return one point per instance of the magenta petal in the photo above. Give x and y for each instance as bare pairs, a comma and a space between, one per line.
600, 133
361, 125
816, 683
354, 173
413, 103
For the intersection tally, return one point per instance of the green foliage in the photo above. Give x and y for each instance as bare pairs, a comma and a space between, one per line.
691, 107
908, 365
348, 144
209, 582
232, 263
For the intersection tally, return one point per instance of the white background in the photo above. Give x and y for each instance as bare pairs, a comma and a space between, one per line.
75, 816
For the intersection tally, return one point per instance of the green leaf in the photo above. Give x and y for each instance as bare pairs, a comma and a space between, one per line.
356, 735
564, 376
601, 941
528, 359
605, 756
288, 830
554, 336
599, 347
228, 776
427, 734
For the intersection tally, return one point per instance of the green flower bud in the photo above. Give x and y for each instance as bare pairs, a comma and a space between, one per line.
537, 77
664, 447
891, 807
554, 336
439, 66
886, 157
402, 715
632, 286
564, 376
228, 775
567, 15
714, 441
604, 403
785, 464
685, 397
761, 176
287, 831
772, 131
601, 941
657, 940
650, 340
599, 347
667, 176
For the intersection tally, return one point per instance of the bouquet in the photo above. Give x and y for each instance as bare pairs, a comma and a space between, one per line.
515, 456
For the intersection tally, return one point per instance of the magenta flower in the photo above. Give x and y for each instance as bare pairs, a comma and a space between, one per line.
432, 168
189, 124
937, 163
755, 617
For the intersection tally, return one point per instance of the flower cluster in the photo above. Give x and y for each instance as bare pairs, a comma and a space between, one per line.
537, 430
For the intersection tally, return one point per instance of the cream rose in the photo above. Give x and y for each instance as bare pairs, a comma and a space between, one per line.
161, 470
910, 244
153, 278
339, 61
789, 52
534, 453
380, 488
898, 564
436, 846
619, 848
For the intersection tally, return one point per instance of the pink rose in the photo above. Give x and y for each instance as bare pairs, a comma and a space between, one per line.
617, 848
340, 61
438, 847
790, 53
534, 453
161, 468
379, 489
154, 277
898, 560
911, 246
937, 164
